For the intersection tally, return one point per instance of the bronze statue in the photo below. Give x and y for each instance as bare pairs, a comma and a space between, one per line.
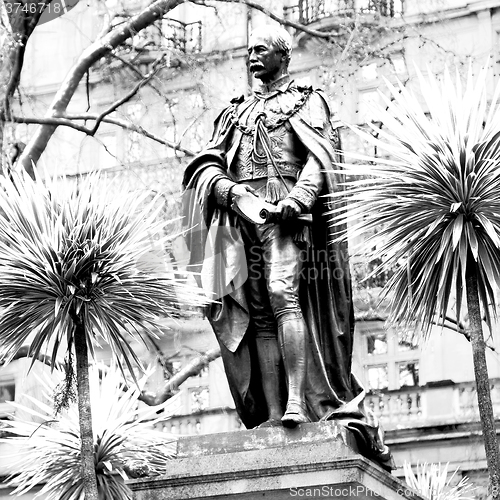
284, 315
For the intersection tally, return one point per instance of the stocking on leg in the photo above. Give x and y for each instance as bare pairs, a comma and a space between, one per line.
271, 370
292, 338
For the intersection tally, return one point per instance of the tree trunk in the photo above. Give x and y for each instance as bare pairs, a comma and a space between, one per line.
12, 54
21, 24
85, 412
482, 380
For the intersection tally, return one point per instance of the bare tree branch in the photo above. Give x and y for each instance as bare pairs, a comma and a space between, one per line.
21, 26
137, 128
349, 41
137, 72
69, 121
190, 125
173, 383
87, 59
156, 67
59, 121
106, 44
274, 17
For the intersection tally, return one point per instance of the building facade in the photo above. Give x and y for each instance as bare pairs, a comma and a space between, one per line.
423, 393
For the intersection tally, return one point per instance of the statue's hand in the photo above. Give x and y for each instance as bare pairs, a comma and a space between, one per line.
239, 190
288, 209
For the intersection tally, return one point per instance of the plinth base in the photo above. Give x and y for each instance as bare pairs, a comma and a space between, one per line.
314, 460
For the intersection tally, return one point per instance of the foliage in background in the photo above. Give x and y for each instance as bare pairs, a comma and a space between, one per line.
89, 251
431, 210
432, 482
125, 441
81, 265
435, 199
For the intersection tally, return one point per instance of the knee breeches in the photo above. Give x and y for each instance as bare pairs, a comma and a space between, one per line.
274, 269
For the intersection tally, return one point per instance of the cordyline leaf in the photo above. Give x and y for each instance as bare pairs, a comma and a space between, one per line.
432, 482
78, 251
437, 199
124, 433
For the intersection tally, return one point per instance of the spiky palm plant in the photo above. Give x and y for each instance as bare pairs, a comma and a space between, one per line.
432, 482
125, 441
80, 266
434, 202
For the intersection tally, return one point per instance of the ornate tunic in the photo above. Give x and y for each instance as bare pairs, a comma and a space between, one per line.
266, 149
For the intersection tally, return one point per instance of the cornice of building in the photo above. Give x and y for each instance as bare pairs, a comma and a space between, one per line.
447, 14
465, 436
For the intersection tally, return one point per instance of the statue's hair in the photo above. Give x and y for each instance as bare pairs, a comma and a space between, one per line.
278, 36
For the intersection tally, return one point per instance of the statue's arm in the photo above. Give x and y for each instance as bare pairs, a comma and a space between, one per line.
225, 188
220, 141
222, 191
308, 186
311, 178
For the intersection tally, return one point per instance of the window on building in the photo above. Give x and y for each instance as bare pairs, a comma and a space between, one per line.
378, 377
399, 6
376, 343
368, 105
370, 82
406, 342
398, 64
369, 72
390, 358
176, 366
7, 393
199, 398
408, 374
134, 147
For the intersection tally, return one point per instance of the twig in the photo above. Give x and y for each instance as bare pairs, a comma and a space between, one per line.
68, 121
130, 94
137, 72
274, 17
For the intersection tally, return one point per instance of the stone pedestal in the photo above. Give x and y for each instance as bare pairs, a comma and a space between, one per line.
314, 460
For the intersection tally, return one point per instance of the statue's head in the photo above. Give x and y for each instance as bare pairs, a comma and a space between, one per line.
269, 52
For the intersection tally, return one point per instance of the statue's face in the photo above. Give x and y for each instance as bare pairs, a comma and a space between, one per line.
265, 61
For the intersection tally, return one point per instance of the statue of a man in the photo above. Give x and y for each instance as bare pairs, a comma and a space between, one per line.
284, 319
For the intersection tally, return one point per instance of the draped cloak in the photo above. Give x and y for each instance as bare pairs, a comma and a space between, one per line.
218, 255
